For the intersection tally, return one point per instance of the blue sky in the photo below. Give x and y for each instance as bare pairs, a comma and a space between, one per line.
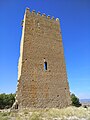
74, 18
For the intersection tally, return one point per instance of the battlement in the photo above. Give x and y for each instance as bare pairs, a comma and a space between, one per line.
42, 15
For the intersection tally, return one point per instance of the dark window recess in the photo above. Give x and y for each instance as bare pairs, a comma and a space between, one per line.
16, 106
45, 65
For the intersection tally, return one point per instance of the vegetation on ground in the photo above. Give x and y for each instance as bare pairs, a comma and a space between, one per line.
6, 100
69, 113
75, 101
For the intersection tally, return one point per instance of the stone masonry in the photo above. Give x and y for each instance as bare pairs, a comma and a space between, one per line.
41, 42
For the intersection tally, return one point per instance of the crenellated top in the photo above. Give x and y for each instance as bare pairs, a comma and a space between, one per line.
43, 15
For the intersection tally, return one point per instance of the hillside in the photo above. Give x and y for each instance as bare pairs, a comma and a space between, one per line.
85, 102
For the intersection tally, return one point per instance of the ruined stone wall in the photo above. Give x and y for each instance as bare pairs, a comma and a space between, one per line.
41, 38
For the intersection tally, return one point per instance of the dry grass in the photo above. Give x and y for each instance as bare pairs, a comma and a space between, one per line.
70, 113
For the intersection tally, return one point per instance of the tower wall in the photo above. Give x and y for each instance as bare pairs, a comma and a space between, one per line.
37, 87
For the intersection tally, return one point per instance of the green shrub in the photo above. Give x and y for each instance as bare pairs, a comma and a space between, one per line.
75, 101
6, 100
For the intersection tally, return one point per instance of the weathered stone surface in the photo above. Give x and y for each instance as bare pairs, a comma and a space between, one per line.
41, 38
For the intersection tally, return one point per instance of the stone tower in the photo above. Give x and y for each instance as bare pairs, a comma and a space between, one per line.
42, 78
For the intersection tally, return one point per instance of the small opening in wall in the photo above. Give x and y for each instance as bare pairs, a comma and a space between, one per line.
45, 64
57, 95
16, 106
65, 88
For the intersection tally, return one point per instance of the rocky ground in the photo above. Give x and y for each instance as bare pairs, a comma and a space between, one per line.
70, 113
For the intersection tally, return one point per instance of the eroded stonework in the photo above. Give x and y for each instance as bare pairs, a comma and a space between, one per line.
41, 41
